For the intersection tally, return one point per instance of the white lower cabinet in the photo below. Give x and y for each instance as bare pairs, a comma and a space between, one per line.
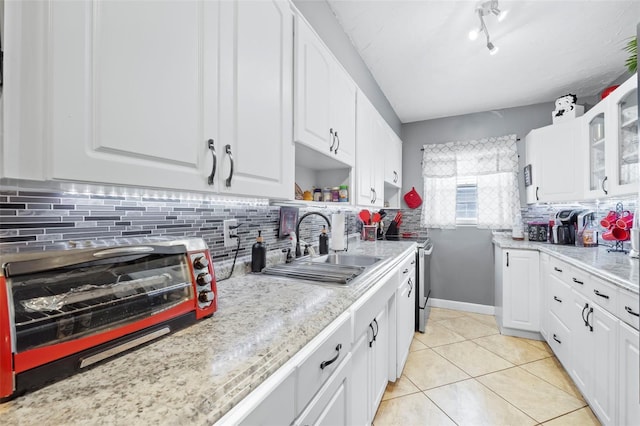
405, 316
331, 406
517, 290
370, 368
628, 376
588, 339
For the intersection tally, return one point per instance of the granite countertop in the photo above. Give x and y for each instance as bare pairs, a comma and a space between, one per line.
197, 374
618, 268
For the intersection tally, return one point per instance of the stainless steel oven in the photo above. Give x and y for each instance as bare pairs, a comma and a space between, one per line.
423, 278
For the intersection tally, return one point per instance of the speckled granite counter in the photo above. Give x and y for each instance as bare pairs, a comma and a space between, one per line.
618, 268
197, 374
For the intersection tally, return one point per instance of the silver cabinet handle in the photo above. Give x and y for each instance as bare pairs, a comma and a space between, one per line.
603, 181
338, 146
410, 282
372, 191
212, 148
395, 177
537, 189
375, 195
227, 182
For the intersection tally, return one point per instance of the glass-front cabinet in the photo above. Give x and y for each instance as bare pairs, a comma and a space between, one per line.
597, 153
611, 133
627, 128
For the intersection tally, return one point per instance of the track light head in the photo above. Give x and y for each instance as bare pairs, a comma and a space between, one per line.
493, 49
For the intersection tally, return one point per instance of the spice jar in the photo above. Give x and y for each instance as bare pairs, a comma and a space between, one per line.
335, 194
343, 193
317, 194
326, 195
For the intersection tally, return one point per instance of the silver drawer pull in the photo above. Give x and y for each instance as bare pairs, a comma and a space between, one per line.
630, 311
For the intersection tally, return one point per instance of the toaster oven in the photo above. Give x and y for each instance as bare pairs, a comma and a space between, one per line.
64, 311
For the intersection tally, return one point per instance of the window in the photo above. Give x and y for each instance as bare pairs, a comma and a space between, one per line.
466, 201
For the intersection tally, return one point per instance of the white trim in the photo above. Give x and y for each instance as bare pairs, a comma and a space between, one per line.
462, 306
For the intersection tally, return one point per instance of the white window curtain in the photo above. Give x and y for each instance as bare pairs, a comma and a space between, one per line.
492, 161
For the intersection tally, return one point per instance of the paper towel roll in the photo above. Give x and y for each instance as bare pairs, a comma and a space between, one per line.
337, 231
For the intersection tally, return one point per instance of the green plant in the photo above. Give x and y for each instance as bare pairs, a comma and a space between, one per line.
632, 61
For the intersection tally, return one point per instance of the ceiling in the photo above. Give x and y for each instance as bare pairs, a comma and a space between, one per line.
420, 54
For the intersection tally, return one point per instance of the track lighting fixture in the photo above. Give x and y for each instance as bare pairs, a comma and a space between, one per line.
484, 8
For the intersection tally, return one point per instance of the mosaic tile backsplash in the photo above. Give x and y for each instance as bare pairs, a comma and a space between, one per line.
34, 221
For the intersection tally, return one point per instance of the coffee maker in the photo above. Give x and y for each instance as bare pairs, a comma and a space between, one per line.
564, 229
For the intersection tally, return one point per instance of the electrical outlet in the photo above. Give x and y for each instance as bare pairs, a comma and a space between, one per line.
228, 228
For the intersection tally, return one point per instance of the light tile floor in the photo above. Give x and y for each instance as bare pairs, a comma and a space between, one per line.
462, 371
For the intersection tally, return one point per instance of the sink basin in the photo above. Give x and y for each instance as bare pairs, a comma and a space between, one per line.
316, 271
347, 259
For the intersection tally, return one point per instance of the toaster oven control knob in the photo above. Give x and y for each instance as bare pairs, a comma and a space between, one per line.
203, 279
205, 296
200, 262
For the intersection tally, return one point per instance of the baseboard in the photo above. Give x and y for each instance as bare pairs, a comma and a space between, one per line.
533, 335
462, 306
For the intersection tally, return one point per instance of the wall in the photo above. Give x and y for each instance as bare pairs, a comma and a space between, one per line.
325, 23
462, 260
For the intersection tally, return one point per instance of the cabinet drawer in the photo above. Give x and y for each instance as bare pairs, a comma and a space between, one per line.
628, 308
559, 339
558, 298
603, 294
329, 354
406, 268
559, 269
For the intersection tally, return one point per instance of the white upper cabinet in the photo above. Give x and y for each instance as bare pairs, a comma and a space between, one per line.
161, 94
370, 137
325, 98
556, 168
133, 92
255, 141
611, 143
393, 159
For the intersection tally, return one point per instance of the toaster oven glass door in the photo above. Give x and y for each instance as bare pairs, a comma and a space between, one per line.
68, 303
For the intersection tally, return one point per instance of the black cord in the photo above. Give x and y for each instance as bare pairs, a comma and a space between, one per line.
234, 258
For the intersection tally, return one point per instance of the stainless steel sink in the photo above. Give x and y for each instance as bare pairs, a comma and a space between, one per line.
346, 259
331, 268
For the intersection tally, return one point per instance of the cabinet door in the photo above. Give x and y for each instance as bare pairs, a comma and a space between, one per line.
380, 362
393, 159
521, 286
255, 146
313, 68
343, 115
582, 356
377, 159
405, 325
533, 156
365, 151
624, 114
594, 138
628, 376
120, 111
361, 379
560, 171
605, 351
332, 405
